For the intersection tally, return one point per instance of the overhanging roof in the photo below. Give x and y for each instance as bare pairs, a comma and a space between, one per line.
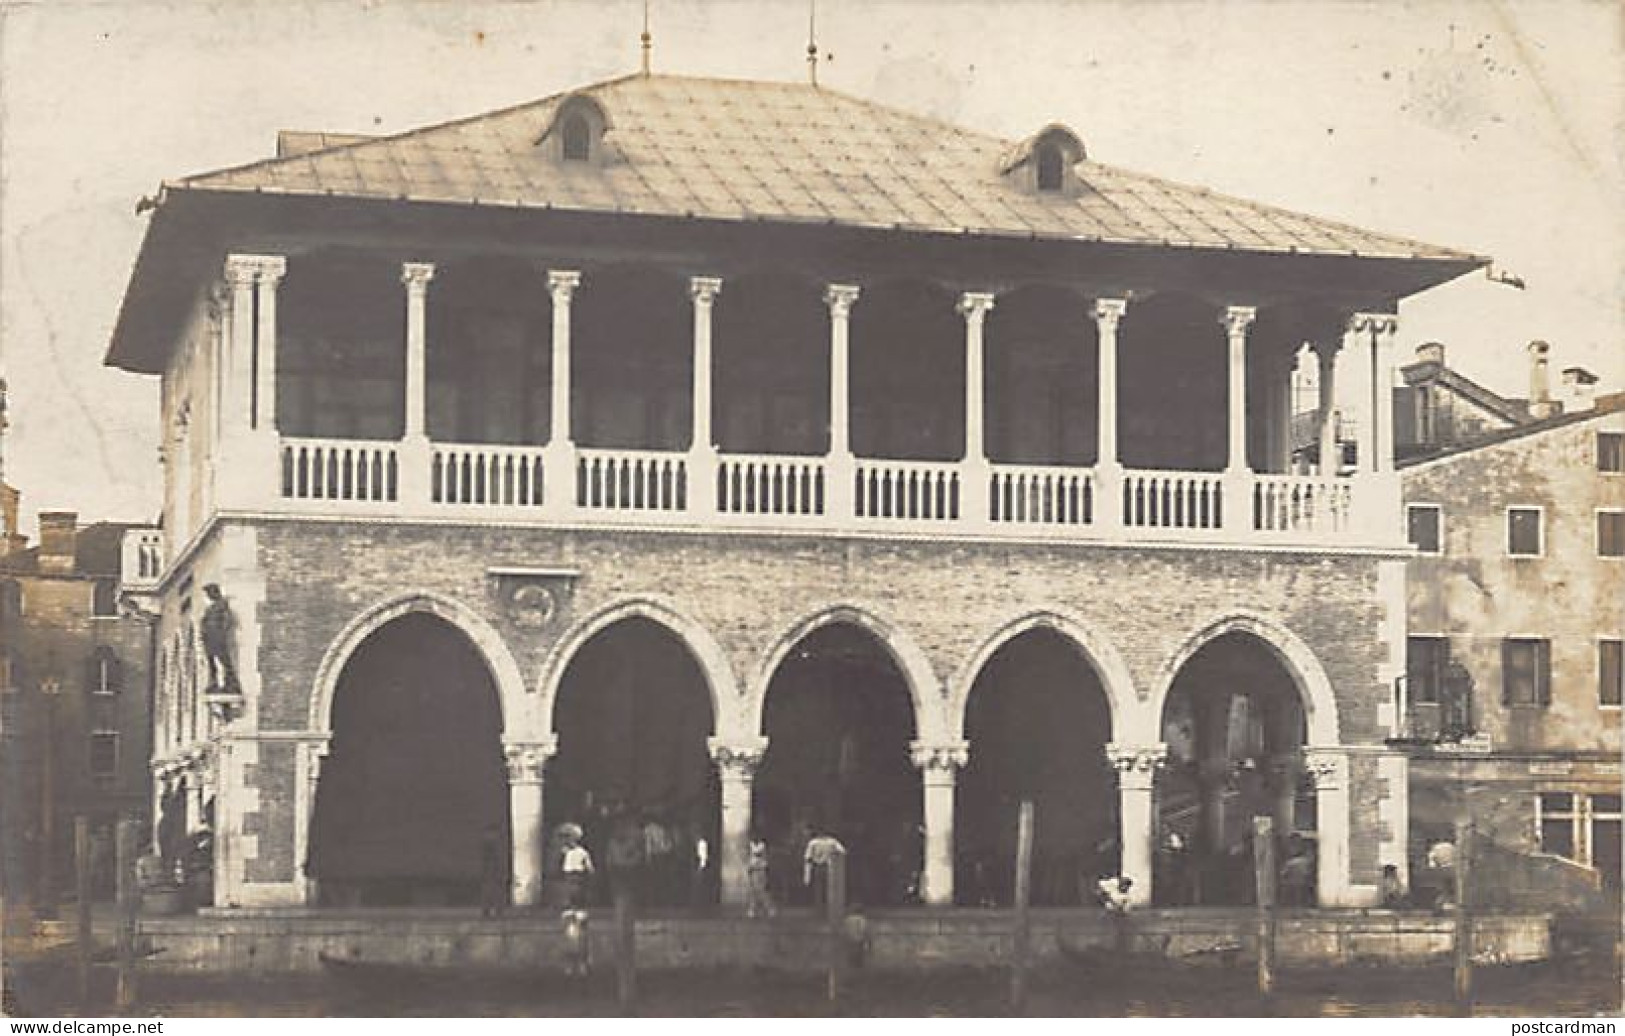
790, 153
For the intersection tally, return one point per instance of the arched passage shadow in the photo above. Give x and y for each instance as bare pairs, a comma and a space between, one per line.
412, 805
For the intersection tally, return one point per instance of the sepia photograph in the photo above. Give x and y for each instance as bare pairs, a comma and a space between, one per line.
811, 508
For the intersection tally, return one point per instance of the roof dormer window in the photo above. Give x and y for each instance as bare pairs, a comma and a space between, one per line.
575, 137
576, 132
1050, 166
1043, 163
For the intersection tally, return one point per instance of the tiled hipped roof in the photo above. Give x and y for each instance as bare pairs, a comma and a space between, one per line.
784, 152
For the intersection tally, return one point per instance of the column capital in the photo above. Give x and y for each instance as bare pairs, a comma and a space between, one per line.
526, 760
1375, 323
974, 305
416, 276
1326, 350
243, 270
1136, 765
1327, 767
704, 290
1109, 312
840, 298
1237, 319
562, 284
272, 268
737, 757
941, 759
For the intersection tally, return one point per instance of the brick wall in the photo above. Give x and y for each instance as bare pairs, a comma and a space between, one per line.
748, 592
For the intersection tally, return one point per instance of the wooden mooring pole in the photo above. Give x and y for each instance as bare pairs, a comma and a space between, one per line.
129, 900
835, 915
81, 882
1464, 913
1264, 878
1022, 947
626, 961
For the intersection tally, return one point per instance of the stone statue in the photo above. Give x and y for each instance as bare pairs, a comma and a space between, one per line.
216, 628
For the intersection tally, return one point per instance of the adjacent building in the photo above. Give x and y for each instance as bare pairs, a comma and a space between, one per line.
749, 459
75, 676
1517, 619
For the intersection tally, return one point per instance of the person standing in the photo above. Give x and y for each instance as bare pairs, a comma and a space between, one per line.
576, 866
699, 883
759, 901
577, 943
1394, 896
822, 849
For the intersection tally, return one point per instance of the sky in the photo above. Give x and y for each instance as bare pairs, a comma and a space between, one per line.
1494, 127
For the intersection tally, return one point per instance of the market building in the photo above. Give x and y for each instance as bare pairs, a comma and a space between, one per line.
753, 460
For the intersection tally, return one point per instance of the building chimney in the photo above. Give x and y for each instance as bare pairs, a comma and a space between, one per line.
58, 531
1541, 404
1579, 389
1430, 352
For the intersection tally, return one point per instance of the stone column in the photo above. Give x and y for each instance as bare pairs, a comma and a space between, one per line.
220, 358
247, 464
1286, 399
1108, 510
415, 458
526, 762
939, 767
736, 761
1238, 511
1377, 497
269, 273
1365, 331
313, 756
1383, 327
702, 455
1236, 320
241, 273
974, 494
1329, 768
559, 457
1136, 767
842, 467
1331, 451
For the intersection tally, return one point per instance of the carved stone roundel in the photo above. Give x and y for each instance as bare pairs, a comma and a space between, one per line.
531, 605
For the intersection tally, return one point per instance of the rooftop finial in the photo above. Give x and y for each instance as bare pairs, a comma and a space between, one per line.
812, 41
648, 40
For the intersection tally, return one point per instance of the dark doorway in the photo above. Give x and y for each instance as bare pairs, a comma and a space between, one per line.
633, 715
1234, 726
415, 778
839, 720
1038, 721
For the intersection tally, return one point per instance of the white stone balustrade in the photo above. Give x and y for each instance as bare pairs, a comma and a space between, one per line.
1173, 500
486, 475
771, 485
348, 470
1302, 504
631, 480
763, 490
908, 490
1034, 495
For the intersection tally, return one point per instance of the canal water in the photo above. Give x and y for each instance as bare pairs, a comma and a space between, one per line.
1569, 988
